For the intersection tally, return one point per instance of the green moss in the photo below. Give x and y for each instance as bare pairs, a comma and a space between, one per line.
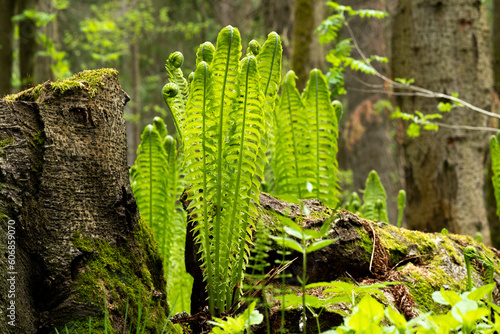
120, 273
392, 240
366, 241
4, 143
90, 80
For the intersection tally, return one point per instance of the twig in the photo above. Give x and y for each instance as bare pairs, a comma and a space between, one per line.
418, 91
373, 249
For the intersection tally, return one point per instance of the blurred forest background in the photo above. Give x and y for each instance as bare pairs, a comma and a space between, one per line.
53, 39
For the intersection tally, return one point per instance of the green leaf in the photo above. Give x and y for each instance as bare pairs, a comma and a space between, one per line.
319, 244
323, 134
289, 243
413, 130
481, 292
290, 161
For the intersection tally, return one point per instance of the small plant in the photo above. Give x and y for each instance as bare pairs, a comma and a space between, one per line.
304, 246
239, 325
305, 141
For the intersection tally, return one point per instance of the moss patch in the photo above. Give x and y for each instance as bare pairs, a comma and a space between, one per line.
120, 272
89, 80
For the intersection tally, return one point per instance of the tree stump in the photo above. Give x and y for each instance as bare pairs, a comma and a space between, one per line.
72, 243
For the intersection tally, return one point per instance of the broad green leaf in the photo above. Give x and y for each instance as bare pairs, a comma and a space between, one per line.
319, 244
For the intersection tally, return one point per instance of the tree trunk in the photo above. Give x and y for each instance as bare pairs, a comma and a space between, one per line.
278, 16
496, 44
444, 46
43, 70
6, 45
70, 228
303, 28
27, 44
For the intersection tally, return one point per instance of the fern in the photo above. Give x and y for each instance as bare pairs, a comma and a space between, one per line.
306, 141
176, 92
150, 184
291, 157
401, 206
495, 166
323, 129
224, 130
157, 185
375, 199
205, 53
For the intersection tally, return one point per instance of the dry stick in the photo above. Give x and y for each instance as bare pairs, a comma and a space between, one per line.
270, 276
420, 91
373, 249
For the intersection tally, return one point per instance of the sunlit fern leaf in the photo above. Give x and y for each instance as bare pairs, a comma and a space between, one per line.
269, 65
176, 99
160, 126
241, 154
205, 53
495, 166
223, 89
169, 93
291, 160
375, 199
178, 280
173, 67
198, 154
150, 184
323, 131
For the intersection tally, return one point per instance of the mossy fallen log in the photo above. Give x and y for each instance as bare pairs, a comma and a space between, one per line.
79, 248
367, 252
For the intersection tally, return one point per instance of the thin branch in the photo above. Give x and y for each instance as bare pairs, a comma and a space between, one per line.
419, 90
466, 127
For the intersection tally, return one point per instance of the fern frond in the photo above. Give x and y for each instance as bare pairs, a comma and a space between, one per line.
375, 199
198, 154
169, 93
495, 166
150, 184
205, 53
241, 155
177, 102
269, 65
178, 280
223, 88
291, 164
323, 129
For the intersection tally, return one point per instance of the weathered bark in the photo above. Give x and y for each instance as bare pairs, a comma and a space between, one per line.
444, 46
6, 45
66, 200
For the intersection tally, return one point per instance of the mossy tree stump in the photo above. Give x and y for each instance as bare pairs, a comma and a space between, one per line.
66, 201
